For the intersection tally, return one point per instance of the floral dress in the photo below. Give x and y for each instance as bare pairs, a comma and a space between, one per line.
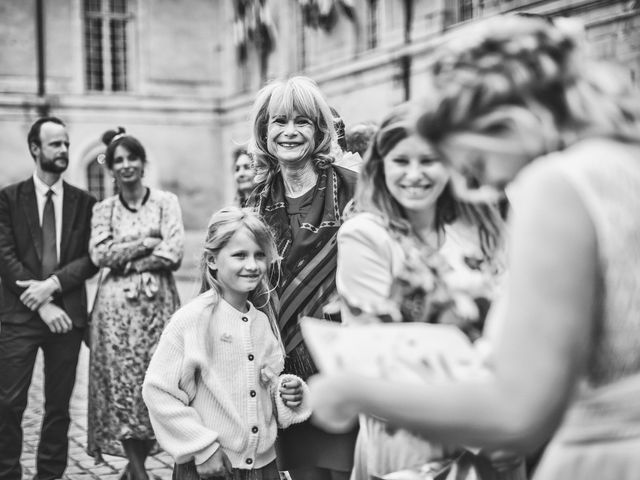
136, 297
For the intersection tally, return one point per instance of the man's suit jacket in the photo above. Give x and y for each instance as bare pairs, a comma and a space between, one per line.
21, 251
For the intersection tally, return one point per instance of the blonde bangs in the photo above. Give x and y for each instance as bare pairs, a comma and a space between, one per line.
294, 96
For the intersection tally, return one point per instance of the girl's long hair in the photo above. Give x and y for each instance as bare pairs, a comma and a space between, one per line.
222, 226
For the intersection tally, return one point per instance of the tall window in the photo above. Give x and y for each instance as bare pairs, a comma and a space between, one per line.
372, 24
105, 32
465, 11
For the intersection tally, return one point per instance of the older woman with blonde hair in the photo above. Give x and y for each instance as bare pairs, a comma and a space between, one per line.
301, 195
517, 97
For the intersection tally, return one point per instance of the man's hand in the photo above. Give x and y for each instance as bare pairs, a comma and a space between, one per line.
217, 465
37, 292
56, 319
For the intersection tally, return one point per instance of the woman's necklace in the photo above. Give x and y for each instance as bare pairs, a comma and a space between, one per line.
134, 206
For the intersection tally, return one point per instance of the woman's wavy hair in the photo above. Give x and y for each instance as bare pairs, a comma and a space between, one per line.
115, 138
528, 82
299, 94
222, 226
372, 194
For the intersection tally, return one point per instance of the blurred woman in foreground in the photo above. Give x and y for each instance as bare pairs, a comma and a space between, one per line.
515, 97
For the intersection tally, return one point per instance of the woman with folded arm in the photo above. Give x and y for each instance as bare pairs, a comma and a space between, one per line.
137, 238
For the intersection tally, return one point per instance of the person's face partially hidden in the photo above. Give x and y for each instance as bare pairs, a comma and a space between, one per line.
482, 174
243, 173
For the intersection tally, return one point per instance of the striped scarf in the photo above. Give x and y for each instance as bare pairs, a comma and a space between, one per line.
308, 270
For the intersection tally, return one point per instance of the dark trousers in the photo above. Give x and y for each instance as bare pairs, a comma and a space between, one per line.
187, 471
19, 345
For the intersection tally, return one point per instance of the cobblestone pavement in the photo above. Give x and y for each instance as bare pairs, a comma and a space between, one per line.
80, 465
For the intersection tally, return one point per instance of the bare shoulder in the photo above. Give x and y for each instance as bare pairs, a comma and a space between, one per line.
544, 192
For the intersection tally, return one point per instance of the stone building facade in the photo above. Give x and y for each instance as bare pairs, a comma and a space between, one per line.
169, 72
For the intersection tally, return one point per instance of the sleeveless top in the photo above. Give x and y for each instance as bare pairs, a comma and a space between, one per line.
606, 176
600, 434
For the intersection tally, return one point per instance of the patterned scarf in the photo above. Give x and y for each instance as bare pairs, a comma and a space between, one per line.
308, 270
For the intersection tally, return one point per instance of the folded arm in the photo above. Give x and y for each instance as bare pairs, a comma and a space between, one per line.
169, 251
107, 252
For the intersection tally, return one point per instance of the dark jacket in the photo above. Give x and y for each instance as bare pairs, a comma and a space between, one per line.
21, 251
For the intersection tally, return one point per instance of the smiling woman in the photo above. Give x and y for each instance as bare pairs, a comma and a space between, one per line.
137, 238
406, 219
301, 195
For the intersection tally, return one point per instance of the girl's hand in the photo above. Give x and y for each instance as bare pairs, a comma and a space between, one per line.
291, 392
218, 465
332, 410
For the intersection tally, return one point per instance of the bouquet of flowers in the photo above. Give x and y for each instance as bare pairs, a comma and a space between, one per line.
453, 285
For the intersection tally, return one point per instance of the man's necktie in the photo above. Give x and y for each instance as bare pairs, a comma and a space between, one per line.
49, 250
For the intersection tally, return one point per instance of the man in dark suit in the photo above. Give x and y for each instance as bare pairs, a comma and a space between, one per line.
45, 225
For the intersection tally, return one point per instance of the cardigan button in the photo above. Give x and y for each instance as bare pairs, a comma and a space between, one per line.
245, 319
250, 357
253, 393
249, 461
254, 429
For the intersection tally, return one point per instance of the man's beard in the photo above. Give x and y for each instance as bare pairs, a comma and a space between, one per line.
52, 165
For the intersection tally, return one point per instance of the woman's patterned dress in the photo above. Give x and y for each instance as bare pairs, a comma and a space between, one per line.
136, 297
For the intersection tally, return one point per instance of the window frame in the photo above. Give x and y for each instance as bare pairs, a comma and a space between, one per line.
110, 76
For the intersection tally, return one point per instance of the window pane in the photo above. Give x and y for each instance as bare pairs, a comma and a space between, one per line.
372, 24
93, 44
118, 54
466, 10
96, 179
118, 6
92, 6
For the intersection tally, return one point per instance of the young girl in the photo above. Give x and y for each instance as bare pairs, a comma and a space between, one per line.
213, 389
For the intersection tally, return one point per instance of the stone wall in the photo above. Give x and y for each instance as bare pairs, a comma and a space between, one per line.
189, 99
